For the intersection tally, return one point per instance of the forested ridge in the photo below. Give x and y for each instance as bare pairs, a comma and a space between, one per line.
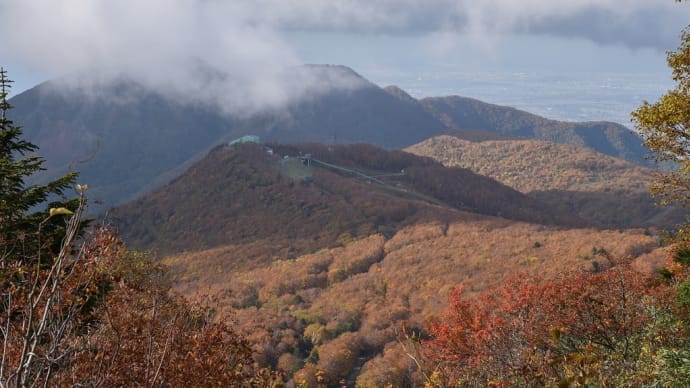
162, 136
247, 196
607, 191
316, 265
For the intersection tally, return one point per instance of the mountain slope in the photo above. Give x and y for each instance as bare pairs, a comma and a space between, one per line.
119, 147
610, 191
127, 140
322, 265
246, 196
532, 165
340, 308
605, 137
455, 187
362, 114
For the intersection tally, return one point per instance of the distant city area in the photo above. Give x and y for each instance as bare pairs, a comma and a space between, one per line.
564, 96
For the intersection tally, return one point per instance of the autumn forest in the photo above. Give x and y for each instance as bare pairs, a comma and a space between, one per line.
358, 238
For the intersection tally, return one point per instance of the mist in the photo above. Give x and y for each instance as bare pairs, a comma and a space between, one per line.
195, 51
234, 55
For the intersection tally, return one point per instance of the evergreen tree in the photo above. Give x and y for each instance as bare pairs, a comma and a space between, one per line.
19, 220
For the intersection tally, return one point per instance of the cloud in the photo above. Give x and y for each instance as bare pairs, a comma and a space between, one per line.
177, 46
210, 52
638, 27
635, 23
170, 46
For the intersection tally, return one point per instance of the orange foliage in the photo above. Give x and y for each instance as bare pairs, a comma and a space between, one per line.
292, 308
597, 187
113, 322
579, 326
536, 165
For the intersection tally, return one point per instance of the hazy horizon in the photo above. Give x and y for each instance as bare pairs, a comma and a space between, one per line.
161, 43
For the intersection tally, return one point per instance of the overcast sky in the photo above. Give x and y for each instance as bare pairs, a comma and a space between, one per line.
162, 42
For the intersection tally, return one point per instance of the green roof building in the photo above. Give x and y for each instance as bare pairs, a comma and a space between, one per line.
245, 139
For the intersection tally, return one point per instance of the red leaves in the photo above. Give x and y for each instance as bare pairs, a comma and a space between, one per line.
119, 326
536, 331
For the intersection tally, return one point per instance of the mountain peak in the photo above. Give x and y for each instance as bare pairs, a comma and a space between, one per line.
335, 69
337, 77
395, 91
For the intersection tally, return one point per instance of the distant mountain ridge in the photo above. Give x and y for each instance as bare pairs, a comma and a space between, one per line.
532, 165
130, 144
123, 146
366, 114
602, 136
612, 191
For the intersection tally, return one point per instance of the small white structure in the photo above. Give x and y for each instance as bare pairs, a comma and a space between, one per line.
245, 139
306, 159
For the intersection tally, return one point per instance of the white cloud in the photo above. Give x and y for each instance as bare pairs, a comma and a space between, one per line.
482, 17
171, 46
175, 46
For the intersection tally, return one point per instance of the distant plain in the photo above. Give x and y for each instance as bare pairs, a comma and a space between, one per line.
568, 96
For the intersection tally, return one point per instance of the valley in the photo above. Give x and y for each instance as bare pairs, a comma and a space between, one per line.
333, 231
338, 304
344, 194
326, 255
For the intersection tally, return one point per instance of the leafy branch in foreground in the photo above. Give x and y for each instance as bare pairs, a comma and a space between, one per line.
79, 309
41, 304
101, 315
665, 128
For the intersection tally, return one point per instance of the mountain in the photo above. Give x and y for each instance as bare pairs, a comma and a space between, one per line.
604, 137
125, 140
120, 145
533, 165
322, 253
362, 114
322, 257
597, 187
266, 203
342, 311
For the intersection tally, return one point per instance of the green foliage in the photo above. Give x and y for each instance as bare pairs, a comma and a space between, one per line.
665, 127
251, 300
672, 368
306, 316
665, 274
344, 238
681, 255
313, 356
19, 222
683, 297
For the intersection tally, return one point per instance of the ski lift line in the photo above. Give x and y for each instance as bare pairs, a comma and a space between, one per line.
389, 187
354, 172
389, 175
